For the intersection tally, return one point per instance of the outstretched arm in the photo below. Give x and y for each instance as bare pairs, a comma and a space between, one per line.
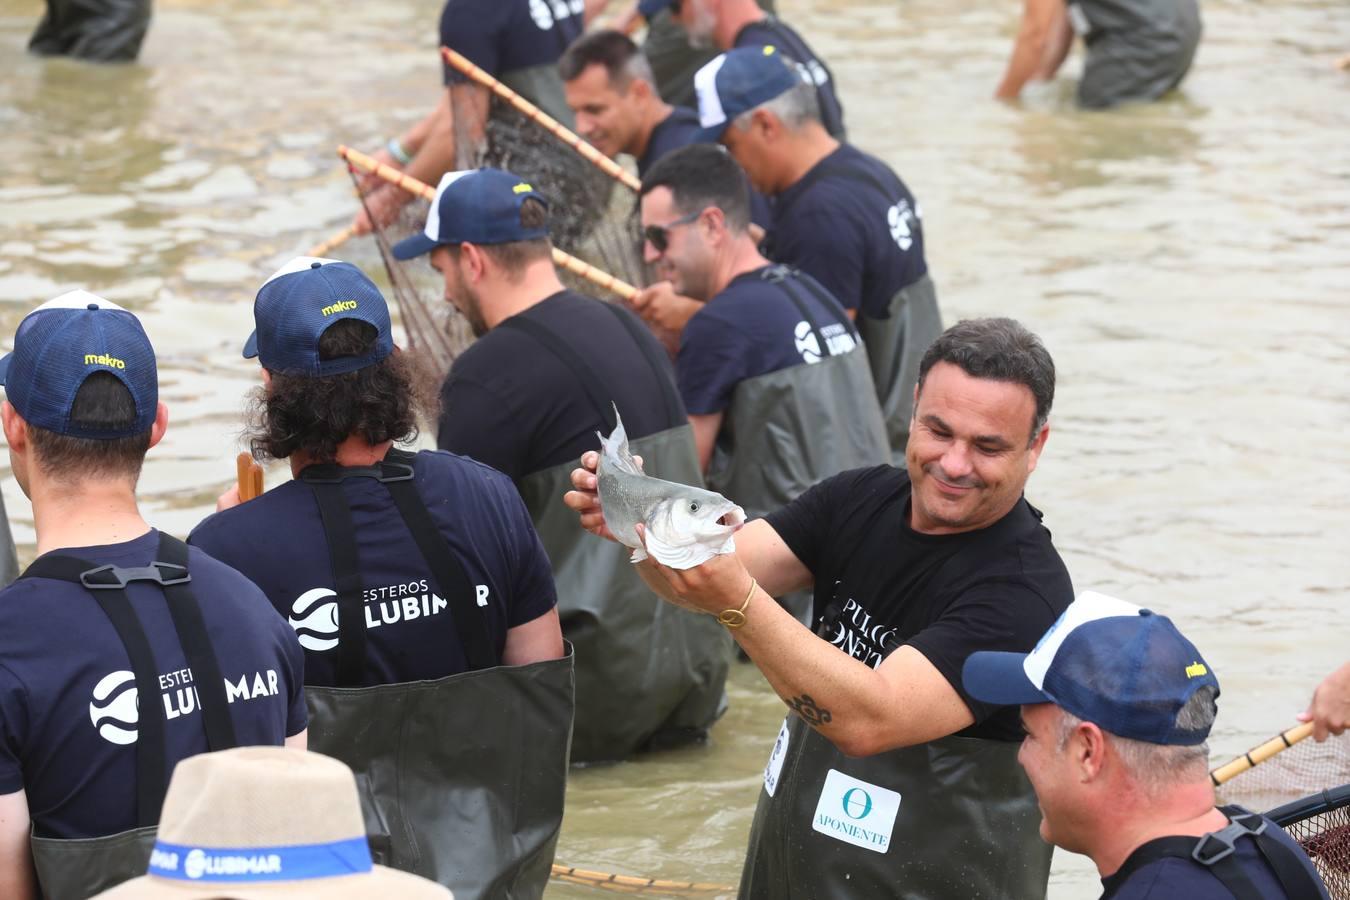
17, 879
1330, 708
1032, 50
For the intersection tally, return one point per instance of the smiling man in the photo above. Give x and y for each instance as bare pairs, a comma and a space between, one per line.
888, 778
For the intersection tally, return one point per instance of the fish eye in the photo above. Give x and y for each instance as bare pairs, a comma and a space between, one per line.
693, 506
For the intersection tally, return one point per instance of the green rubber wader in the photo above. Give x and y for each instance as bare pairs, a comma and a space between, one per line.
965, 827
542, 86
79, 869
674, 61
895, 347
461, 778
649, 675
9, 559
1137, 50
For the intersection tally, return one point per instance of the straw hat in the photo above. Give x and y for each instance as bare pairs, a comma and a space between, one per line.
266, 823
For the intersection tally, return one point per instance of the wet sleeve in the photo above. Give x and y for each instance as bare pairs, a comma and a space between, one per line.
714, 357
473, 28
829, 247
992, 615
477, 423
13, 731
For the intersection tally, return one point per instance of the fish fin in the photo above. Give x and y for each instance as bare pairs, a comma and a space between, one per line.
638, 555
616, 447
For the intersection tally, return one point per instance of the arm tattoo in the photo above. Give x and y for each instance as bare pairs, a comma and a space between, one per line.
808, 709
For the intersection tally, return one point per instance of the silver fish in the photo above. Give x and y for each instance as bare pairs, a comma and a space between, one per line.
685, 525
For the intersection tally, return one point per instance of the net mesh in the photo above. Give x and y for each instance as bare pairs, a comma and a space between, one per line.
1321, 824
1293, 773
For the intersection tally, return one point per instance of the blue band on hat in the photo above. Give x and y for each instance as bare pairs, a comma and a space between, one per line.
236, 865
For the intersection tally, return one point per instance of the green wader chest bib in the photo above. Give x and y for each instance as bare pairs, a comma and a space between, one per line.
895, 347
648, 673
461, 778
77, 869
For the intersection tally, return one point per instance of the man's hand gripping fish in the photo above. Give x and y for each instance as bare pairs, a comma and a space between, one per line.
684, 525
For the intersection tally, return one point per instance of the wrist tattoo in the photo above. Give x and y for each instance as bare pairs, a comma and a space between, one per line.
808, 709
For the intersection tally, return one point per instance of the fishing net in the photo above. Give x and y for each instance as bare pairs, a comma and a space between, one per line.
1305, 767
1321, 824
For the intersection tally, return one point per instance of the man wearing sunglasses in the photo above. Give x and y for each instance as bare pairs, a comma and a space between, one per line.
839, 215
527, 398
770, 367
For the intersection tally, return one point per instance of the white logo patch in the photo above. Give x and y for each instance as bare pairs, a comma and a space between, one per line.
774, 769
807, 345
903, 222
856, 812
115, 710
542, 15
315, 622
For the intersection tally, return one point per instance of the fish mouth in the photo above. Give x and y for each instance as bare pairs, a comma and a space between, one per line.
732, 521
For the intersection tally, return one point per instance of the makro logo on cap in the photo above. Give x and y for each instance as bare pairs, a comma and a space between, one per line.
103, 359
522, 188
1196, 670
340, 307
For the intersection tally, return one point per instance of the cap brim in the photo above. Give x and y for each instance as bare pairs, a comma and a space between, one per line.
4, 367
999, 678
711, 135
380, 882
251, 346
417, 245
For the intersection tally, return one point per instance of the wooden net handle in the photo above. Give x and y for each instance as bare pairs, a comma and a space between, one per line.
543, 119
328, 246
1278, 744
595, 276
249, 476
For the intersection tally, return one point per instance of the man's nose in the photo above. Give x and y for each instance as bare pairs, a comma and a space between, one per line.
956, 462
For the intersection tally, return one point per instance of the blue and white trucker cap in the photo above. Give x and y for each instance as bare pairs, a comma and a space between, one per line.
737, 82
477, 206
1126, 669
64, 341
297, 305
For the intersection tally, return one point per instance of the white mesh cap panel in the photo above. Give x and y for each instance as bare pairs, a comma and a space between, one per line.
299, 264
1089, 607
433, 226
710, 110
77, 299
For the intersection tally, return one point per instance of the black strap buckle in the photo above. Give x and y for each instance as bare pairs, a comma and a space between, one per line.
394, 471
776, 274
383, 472
116, 578
1227, 837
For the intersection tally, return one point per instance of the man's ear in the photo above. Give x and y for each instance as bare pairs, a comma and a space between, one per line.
1087, 749
161, 423
475, 260
16, 429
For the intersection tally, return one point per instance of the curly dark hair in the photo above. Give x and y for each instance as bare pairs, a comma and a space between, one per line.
380, 402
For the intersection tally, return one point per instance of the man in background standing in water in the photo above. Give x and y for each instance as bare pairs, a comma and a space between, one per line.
1137, 50
92, 30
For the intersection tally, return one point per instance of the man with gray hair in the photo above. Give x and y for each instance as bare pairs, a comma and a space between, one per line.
839, 215
1116, 706
887, 779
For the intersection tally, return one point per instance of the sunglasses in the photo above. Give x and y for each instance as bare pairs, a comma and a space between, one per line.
675, 7
659, 235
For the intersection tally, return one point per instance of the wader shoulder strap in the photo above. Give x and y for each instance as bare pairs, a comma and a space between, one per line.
660, 368
207, 679
825, 298
569, 358
446, 570
340, 535
1215, 851
782, 276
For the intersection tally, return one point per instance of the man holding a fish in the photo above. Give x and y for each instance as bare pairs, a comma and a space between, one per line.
527, 398
887, 772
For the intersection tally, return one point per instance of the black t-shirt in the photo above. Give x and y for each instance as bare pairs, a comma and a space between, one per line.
1181, 879
511, 403
879, 584
853, 224
69, 708
772, 31
750, 329
502, 36
277, 540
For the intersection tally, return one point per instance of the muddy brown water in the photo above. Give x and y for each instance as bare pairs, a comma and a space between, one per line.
1188, 264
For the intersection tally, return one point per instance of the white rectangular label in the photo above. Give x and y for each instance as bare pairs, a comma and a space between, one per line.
856, 812
774, 768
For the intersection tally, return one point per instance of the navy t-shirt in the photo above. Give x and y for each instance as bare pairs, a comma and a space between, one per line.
772, 31
1181, 879
852, 224
501, 36
753, 328
278, 541
513, 404
679, 129
68, 699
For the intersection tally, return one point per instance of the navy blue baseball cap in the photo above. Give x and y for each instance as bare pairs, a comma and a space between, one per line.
297, 304
649, 9
1126, 669
737, 82
63, 342
478, 206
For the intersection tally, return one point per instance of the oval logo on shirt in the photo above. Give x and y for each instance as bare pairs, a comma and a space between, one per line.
314, 616
807, 345
114, 709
